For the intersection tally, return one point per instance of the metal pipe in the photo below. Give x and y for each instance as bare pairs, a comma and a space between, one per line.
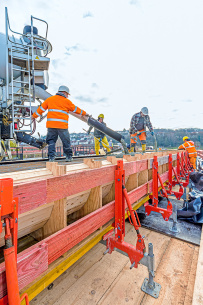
6, 29
151, 266
42, 94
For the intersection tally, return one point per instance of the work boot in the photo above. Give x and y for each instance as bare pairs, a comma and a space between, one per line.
69, 159
52, 159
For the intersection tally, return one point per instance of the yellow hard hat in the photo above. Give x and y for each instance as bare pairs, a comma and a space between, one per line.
185, 138
101, 116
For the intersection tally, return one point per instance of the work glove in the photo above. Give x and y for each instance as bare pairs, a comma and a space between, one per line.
152, 133
88, 132
100, 140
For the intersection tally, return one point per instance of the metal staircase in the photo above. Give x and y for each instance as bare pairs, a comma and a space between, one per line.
24, 56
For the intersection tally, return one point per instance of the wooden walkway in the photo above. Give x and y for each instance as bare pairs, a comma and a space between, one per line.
107, 280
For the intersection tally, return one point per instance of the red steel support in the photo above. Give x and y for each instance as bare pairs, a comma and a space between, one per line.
135, 253
9, 220
171, 182
166, 213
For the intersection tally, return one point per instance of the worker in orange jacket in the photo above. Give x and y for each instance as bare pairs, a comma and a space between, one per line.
190, 147
57, 121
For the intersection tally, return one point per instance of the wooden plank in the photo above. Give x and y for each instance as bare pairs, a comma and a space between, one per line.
132, 182
93, 203
198, 290
33, 194
58, 218
100, 266
75, 202
70, 184
65, 239
58, 267
30, 195
110, 196
142, 177
29, 265
126, 288
98, 279
173, 273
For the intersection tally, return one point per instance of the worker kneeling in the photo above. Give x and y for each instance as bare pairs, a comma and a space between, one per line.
99, 137
57, 121
190, 147
138, 125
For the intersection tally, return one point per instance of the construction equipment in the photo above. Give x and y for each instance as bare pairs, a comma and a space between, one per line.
137, 254
166, 213
155, 143
23, 66
9, 221
23, 80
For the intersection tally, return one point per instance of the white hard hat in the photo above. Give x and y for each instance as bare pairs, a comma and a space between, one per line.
64, 88
145, 111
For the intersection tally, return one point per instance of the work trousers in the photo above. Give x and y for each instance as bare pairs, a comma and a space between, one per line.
104, 143
52, 136
193, 161
133, 139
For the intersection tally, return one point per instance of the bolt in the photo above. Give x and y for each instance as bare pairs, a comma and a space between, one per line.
16, 220
119, 180
139, 240
50, 286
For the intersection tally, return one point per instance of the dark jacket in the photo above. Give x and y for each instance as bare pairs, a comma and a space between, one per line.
138, 123
97, 133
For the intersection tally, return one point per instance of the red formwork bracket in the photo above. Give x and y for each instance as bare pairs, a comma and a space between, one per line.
166, 213
171, 181
135, 253
9, 220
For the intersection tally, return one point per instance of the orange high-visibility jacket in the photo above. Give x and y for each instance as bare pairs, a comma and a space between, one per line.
58, 111
190, 147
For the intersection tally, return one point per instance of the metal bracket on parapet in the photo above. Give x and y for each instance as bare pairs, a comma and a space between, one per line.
174, 228
137, 254
149, 286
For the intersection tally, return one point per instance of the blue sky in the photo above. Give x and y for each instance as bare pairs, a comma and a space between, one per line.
120, 55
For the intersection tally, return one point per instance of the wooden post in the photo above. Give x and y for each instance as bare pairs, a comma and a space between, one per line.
58, 218
94, 200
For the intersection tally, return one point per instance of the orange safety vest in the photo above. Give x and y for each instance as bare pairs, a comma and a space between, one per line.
58, 111
190, 147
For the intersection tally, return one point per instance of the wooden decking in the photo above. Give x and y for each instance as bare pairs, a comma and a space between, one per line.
107, 280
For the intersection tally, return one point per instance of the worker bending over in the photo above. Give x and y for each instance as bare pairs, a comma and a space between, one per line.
138, 125
99, 137
190, 147
57, 121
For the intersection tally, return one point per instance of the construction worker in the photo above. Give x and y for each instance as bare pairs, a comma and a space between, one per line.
57, 121
138, 125
190, 147
99, 137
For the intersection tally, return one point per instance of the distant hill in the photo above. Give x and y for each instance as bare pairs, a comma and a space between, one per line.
172, 138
